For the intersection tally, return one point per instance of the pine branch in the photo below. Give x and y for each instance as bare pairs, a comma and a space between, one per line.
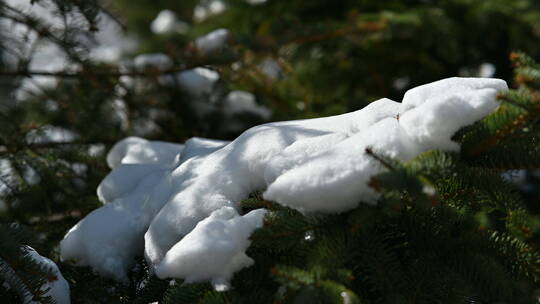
67, 74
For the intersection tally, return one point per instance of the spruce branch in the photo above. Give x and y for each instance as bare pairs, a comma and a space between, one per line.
87, 73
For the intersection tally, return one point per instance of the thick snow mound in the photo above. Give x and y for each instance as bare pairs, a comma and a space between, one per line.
109, 238
214, 249
315, 166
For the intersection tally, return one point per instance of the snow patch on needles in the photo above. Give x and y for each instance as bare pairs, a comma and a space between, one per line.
212, 42
157, 61
237, 102
187, 211
57, 289
166, 22
50, 134
198, 82
208, 8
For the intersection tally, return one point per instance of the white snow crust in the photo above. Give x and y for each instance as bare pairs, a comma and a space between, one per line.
184, 214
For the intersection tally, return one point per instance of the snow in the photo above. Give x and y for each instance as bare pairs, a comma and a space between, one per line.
110, 237
486, 69
123, 180
136, 150
111, 41
239, 107
184, 214
401, 83
517, 177
49, 60
270, 68
197, 146
241, 102
436, 111
212, 42
198, 82
107, 45
58, 288
208, 8
214, 249
202, 87
153, 60
50, 134
166, 22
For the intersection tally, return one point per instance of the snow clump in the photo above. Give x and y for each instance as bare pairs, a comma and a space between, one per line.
212, 42
208, 8
241, 102
176, 211
198, 81
270, 68
154, 60
135, 150
132, 195
166, 22
50, 134
214, 249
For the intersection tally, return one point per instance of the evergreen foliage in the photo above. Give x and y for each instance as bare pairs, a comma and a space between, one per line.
19, 270
448, 227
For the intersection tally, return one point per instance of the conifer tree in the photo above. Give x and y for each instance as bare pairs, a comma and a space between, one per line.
448, 228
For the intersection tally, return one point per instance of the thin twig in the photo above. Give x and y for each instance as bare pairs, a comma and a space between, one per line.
112, 17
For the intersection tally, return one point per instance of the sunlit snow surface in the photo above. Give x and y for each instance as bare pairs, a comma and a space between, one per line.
182, 211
